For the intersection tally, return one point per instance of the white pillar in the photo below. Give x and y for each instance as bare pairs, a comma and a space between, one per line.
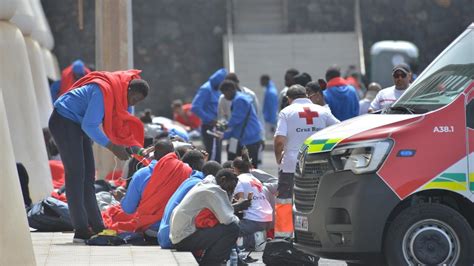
40, 81
22, 110
15, 239
114, 51
25, 20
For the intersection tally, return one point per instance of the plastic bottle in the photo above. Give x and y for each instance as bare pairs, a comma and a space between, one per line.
233, 260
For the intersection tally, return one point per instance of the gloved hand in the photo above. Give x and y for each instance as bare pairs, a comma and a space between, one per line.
241, 205
118, 150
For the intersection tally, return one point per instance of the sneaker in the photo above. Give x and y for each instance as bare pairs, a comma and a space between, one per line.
81, 237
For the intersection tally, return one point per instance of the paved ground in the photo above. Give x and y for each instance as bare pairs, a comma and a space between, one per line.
57, 248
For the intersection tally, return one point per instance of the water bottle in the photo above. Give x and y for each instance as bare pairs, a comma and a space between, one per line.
233, 260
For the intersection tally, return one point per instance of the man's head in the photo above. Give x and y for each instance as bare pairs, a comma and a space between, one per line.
315, 93
195, 159
227, 165
232, 76
289, 76
372, 90
229, 89
211, 168
137, 91
294, 92
162, 147
333, 72
78, 69
302, 79
264, 80
401, 74
176, 106
227, 180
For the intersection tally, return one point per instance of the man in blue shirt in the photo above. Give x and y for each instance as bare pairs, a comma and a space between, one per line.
270, 105
243, 127
341, 97
141, 179
204, 105
74, 124
195, 159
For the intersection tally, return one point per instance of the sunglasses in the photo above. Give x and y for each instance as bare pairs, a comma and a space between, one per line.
400, 75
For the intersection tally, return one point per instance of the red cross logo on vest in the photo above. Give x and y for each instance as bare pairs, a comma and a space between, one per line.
308, 114
257, 184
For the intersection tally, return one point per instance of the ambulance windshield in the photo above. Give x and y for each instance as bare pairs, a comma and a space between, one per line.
443, 80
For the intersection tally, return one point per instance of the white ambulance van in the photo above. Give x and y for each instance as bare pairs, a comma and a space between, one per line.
396, 187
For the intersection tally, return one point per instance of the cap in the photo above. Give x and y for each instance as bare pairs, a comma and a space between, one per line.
405, 68
78, 67
296, 91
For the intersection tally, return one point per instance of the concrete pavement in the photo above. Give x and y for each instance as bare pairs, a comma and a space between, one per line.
57, 248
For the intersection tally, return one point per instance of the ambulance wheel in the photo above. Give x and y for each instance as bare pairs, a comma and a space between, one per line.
429, 234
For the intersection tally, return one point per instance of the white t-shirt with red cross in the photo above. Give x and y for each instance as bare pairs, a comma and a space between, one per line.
260, 209
297, 122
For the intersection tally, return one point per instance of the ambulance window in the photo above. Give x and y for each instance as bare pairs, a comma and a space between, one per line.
444, 80
470, 114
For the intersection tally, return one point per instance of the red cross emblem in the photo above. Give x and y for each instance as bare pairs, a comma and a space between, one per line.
257, 184
308, 114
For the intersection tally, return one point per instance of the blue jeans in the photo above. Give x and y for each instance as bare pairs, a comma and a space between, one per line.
75, 148
248, 229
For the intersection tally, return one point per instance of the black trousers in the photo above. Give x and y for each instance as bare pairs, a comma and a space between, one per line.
213, 145
253, 152
75, 148
217, 243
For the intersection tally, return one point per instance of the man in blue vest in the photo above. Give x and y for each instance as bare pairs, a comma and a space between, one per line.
244, 129
204, 105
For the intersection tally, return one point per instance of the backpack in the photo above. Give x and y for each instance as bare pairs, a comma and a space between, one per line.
50, 215
281, 252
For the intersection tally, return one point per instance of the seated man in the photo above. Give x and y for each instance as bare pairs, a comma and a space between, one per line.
259, 216
147, 196
217, 241
195, 159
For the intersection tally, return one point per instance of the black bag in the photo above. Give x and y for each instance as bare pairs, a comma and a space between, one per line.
281, 252
50, 215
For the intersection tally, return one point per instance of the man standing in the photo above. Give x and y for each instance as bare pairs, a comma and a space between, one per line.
341, 97
296, 123
244, 129
401, 74
364, 104
289, 80
204, 105
97, 98
270, 105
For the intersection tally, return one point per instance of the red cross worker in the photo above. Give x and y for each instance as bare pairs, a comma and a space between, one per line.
296, 123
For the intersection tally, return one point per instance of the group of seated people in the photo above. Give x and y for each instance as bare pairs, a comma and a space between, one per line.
191, 204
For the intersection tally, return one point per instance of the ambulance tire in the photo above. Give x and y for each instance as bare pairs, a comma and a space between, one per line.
414, 230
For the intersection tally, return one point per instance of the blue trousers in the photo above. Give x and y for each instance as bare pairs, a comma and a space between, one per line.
75, 148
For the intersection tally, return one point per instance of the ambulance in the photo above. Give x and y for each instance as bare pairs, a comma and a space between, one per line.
396, 187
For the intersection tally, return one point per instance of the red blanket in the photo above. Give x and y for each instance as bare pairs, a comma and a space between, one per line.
206, 219
167, 176
68, 79
57, 172
120, 126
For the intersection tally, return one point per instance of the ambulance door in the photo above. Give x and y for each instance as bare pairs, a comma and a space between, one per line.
470, 135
